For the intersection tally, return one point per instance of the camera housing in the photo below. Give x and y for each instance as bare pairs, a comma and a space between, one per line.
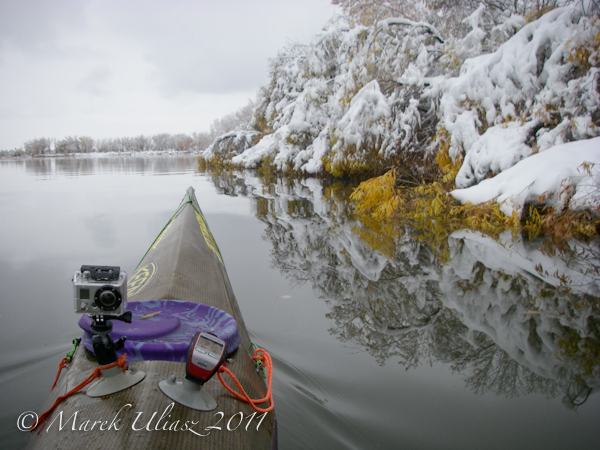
100, 290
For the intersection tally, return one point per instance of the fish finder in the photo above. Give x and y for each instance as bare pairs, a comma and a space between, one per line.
206, 353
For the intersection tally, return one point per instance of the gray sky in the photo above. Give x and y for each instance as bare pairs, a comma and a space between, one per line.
114, 68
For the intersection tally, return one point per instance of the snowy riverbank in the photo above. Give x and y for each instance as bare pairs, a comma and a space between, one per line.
362, 99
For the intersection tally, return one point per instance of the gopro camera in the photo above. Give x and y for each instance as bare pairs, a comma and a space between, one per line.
205, 355
100, 290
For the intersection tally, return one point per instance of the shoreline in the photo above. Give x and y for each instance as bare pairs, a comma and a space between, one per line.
101, 155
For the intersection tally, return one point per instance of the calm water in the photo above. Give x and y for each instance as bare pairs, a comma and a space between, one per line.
402, 347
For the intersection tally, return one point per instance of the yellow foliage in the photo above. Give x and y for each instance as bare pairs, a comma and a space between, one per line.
376, 200
348, 96
378, 196
449, 166
560, 226
380, 235
428, 209
580, 56
450, 61
432, 213
266, 169
216, 163
585, 55
350, 161
533, 225
535, 14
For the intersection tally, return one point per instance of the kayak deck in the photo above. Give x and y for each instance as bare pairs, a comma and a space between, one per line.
183, 263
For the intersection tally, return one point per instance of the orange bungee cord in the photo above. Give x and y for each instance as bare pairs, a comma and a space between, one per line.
95, 374
268, 364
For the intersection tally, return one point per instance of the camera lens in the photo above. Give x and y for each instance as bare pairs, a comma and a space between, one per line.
108, 299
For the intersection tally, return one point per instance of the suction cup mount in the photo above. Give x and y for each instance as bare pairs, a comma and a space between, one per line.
205, 355
113, 379
188, 393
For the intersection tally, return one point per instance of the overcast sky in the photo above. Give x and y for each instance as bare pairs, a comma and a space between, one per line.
115, 68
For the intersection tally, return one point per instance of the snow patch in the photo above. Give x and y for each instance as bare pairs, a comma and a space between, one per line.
546, 172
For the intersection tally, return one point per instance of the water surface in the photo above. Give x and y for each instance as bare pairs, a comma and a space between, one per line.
387, 348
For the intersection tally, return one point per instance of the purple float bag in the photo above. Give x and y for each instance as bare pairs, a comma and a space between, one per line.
166, 336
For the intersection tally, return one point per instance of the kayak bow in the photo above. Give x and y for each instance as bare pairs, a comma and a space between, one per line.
183, 264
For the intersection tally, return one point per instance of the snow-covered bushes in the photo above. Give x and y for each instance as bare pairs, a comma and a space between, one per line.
529, 95
393, 92
349, 103
229, 145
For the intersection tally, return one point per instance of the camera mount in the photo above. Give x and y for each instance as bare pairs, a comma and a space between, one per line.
113, 379
187, 393
205, 355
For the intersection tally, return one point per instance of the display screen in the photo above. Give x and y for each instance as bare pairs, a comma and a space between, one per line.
84, 294
209, 345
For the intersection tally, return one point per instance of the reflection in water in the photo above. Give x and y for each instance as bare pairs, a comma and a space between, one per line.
487, 312
98, 164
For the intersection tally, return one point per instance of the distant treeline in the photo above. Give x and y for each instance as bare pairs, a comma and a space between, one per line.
158, 142
85, 144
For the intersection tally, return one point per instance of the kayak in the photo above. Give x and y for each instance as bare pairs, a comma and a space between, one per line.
179, 288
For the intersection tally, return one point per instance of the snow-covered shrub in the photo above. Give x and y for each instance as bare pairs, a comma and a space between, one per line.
351, 100
389, 92
358, 135
539, 89
228, 145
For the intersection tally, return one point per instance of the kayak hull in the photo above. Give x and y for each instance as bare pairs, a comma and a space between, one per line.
184, 263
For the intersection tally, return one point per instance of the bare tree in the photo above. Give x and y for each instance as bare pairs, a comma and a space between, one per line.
86, 144
70, 144
183, 142
162, 141
39, 146
202, 140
